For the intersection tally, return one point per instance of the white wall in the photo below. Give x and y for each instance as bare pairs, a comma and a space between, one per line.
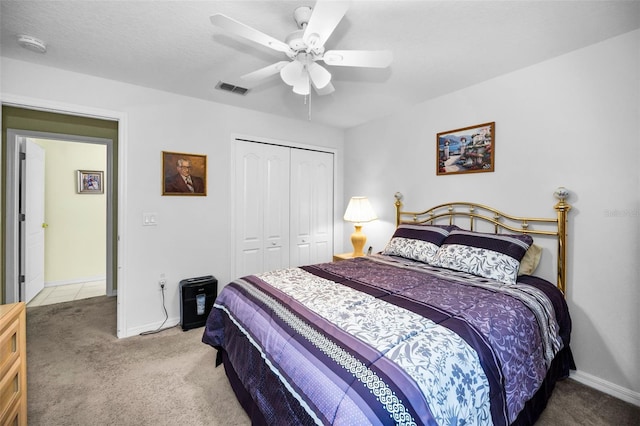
192, 235
572, 121
75, 238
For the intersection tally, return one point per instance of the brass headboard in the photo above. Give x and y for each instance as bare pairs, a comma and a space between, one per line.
447, 212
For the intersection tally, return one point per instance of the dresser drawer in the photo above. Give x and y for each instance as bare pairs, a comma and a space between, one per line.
9, 344
13, 365
16, 415
10, 392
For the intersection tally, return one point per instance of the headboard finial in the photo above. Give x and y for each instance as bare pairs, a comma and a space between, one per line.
398, 203
562, 208
561, 193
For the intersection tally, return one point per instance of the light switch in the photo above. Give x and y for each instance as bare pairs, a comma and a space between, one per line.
149, 219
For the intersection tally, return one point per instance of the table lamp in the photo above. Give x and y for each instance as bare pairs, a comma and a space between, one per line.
359, 211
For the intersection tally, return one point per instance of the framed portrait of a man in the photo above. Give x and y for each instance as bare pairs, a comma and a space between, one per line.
184, 174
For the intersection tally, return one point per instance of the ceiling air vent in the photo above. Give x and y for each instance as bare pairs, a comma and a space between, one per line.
231, 88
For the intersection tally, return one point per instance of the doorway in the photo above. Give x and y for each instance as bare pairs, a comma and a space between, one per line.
47, 116
79, 247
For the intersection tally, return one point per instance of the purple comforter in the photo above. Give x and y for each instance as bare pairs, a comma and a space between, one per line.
385, 341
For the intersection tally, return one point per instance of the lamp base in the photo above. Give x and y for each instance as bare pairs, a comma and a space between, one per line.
358, 239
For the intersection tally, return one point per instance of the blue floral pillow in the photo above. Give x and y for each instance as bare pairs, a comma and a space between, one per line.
494, 256
417, 242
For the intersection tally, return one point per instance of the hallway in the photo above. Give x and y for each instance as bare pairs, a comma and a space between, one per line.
69, 292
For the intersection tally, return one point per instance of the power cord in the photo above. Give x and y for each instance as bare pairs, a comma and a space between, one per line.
166, 317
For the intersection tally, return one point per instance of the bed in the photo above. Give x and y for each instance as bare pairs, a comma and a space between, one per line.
447, 325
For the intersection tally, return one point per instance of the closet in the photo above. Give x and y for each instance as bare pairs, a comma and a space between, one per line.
283, 207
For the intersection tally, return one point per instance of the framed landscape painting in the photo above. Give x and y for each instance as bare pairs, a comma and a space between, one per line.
466, 150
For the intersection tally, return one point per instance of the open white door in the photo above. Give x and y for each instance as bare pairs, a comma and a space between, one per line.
33, 225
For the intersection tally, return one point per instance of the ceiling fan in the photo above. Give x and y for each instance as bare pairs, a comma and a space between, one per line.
305, 47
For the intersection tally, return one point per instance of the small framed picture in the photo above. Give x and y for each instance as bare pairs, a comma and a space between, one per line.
184, 174
466, 150
90, 182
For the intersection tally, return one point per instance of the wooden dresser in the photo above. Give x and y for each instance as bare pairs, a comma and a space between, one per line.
13, 364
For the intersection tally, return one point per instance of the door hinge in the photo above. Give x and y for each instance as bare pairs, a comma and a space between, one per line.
21, 217
21, 279
23, 156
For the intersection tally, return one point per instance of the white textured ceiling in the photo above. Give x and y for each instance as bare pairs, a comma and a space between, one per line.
438, 46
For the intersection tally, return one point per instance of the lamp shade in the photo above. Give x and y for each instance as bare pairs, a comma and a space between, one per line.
359, 210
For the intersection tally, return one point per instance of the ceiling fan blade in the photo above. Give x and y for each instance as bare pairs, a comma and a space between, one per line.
291, 72
324, 19
265, 72
320, 77
326, 90
242, 30
301, 87
358, 58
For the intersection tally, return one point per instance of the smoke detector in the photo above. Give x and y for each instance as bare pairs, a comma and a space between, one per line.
32, 43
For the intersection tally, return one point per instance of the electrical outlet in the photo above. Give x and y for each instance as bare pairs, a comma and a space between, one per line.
162, 281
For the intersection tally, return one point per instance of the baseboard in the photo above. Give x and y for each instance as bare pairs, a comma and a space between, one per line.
135, 331
75, 281
609, 388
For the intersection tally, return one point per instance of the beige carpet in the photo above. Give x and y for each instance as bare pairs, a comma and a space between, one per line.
79, 373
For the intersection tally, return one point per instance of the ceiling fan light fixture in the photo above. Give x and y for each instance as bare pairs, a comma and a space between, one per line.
291, 72
320, 76
301, 87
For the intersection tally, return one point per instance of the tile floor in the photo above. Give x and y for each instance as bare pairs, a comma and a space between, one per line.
69, 292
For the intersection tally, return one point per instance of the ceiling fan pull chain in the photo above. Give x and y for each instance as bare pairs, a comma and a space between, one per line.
309, 96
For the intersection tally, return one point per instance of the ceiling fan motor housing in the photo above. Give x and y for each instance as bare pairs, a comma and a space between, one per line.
295, 41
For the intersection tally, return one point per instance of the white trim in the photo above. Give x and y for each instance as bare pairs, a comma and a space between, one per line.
52, 106
121, 118
170, 322
609, 388
12, 241
279, 142
12, 206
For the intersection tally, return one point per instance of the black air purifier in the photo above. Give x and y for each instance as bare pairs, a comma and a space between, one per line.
196, 300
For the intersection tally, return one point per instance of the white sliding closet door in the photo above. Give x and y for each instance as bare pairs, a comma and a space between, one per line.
311, 207
261, 207
283, 207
